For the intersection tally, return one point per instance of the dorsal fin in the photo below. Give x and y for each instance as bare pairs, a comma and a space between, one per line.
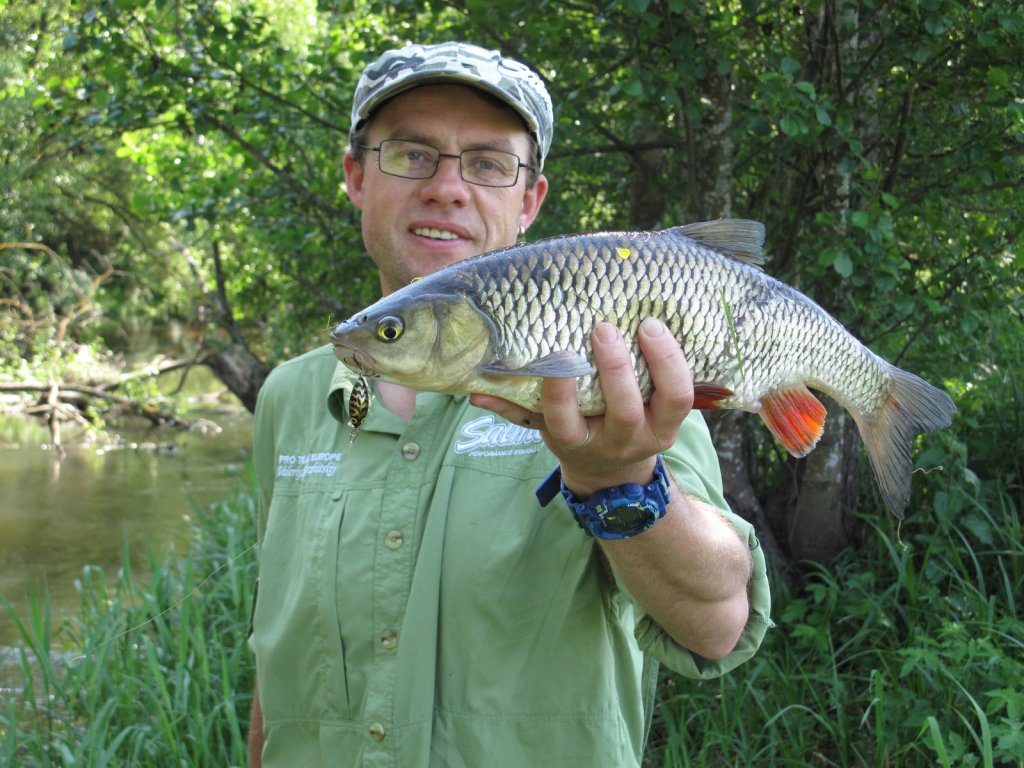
741, 239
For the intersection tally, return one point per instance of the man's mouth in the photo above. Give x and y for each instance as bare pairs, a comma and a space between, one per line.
435, 234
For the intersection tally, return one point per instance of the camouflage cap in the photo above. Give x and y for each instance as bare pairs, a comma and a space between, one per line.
404, 68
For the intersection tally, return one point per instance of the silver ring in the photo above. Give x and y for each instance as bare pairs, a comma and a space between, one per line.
586, 441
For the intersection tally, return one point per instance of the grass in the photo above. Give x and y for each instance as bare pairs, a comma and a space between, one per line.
908, 651
896, 655
144, 675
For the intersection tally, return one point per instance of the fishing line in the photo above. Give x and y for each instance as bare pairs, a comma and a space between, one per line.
172, 607
196, 589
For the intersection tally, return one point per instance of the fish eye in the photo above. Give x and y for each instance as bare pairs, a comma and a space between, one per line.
389, 328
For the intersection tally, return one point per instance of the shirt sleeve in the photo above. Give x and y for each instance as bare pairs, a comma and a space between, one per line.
693, 464
263, 453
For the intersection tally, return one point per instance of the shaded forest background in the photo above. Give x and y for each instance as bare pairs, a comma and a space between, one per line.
180, 161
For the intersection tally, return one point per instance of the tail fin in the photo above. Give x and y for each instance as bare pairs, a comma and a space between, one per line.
913, 406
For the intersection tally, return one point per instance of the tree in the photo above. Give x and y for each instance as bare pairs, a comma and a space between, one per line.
880, 144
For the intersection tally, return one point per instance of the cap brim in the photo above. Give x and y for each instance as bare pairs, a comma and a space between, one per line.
398, 88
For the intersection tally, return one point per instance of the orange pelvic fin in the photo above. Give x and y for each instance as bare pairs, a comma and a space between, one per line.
707, 395
795, 417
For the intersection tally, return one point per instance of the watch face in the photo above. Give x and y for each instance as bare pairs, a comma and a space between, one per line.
627, 518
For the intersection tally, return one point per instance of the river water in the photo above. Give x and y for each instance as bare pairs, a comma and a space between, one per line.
59, 515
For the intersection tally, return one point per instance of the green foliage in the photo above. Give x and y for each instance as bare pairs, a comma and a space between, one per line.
154, 674
905, 652
882, 150
239, 140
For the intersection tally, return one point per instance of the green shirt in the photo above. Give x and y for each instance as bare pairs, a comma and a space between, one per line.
417, 607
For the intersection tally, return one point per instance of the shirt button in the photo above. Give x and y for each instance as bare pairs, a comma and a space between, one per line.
388, 639
410, 451
377, 732
393, 539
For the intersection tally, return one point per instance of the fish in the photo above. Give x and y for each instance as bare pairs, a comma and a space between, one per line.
501, 322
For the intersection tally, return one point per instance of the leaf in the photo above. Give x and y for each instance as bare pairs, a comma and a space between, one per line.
634, 88
998, 77
860, 219
843, 265
936, 25
792, 126
979, 527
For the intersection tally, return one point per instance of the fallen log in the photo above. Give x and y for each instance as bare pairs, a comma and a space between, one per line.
78, 395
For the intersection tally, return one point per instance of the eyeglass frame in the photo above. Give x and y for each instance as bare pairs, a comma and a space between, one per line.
441, 155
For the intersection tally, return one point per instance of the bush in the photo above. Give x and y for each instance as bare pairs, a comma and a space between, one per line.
906, 651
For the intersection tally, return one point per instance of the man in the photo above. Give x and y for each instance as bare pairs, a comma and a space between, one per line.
418, 605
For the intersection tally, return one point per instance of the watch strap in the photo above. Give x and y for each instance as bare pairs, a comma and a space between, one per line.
650, 501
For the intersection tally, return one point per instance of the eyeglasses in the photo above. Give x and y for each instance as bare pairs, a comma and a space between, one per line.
412, 160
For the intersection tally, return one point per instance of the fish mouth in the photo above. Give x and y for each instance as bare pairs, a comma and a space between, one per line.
353, 358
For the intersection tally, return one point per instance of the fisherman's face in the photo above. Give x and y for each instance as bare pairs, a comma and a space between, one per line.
413, 227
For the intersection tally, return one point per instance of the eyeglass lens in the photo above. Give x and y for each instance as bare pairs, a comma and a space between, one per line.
413, 160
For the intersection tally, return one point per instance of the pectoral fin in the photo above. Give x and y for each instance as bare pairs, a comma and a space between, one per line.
795, 417
707, 395
558, 365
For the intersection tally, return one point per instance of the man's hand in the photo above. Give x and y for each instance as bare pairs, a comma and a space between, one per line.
619, 446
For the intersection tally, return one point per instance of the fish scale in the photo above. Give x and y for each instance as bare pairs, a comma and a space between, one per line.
501, 322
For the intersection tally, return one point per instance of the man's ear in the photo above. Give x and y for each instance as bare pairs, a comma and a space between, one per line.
532, 201
354, 176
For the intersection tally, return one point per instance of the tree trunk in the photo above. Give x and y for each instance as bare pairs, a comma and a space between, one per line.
240, 371
817, 522
736, 457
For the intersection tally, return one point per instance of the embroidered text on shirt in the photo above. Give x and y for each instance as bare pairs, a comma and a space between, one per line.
324, 463
484, 437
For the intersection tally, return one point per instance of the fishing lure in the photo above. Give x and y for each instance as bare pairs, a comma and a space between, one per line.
358, 407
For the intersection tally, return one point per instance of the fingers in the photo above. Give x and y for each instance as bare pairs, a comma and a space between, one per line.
672, 398
629, 431
624, 405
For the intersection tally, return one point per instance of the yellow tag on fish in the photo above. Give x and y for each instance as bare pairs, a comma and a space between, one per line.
624, 253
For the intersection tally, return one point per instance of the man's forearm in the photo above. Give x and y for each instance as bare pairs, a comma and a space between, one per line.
690, 572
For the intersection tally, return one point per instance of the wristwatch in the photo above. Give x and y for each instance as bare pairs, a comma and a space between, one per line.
619, 512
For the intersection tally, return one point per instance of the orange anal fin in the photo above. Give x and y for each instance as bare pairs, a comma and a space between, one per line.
795, 417
706, 395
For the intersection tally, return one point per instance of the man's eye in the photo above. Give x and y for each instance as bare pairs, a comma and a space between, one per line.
490, 164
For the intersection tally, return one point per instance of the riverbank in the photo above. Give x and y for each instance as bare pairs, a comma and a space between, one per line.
133, 487
152, 671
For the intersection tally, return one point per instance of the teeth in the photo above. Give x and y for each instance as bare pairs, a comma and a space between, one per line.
436, 234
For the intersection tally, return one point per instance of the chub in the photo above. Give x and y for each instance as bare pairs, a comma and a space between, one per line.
500, 322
